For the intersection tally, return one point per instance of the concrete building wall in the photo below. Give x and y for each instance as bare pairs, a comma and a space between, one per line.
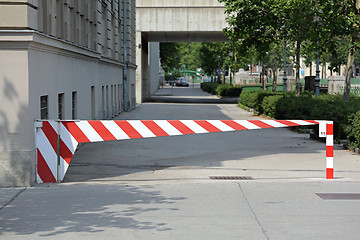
16, 168
69, 51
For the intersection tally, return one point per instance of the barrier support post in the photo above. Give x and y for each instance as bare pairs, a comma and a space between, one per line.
329, 150
58, 150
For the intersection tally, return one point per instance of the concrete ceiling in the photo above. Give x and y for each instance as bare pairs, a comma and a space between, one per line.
185, 36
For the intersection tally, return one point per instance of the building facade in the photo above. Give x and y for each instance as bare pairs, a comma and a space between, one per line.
60, 59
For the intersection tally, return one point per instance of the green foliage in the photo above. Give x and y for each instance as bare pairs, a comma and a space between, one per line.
259, 100
217, 55
326, 107
251, 88
294, 107
222, 90
209, 87
258, 27
253, 27
308, 106
353, 130
209, 53
189, 55
169, 56
269, 104
263, 24
338, 50
340, 19
299, 19
228, 91
180, 55
248, 99
255, 99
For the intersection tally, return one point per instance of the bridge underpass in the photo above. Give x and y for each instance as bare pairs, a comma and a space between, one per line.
171, 21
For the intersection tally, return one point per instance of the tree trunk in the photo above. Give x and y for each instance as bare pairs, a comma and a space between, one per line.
351, 56
260, 74
348, 71
297, 79
339, 69
276, 67
263, 78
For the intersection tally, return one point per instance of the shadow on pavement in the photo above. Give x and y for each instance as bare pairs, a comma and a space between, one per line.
84, 209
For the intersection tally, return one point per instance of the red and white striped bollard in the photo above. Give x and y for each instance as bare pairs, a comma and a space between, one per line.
329, 150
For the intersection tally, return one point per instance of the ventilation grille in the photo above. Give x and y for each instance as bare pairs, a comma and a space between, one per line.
339, 196
231, 178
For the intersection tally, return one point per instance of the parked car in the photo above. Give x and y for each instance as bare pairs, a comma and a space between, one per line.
182, 82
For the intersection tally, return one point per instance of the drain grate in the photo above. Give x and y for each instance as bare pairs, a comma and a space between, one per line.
231, 178
339, 196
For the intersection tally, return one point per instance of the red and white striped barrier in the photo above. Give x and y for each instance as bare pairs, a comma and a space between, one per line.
56, 141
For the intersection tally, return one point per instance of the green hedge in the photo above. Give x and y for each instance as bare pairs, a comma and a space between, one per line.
248, 99
254, 100
353, 130
222, 90
325, 107
269, 105
308, 106
228, 91
209, 87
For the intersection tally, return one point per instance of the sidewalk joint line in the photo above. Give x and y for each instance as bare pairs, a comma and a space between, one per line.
253, 212
12, 199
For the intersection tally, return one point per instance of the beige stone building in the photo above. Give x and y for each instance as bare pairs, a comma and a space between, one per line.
60, 59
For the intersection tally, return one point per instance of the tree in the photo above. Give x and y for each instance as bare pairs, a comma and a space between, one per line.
273, 60
338, 49
217, 55
252, 25
189, 55
300, 25
169, 53
353, 21
342, 19
209, 53
176, 55
264, 24
308, 52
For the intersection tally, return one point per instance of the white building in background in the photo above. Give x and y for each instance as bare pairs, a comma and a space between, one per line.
60, 59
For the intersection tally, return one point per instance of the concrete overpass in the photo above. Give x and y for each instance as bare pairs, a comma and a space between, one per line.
171, 21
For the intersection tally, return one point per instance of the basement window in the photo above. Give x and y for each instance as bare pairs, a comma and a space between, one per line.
74, 105
44, 111
61, 106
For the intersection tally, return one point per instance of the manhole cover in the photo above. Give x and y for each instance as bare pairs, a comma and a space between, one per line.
231, 178
339, 196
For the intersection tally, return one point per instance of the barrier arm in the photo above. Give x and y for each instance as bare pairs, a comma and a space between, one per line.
56, 141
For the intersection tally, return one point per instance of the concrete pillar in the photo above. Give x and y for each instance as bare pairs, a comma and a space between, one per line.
154, 67
142, 72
